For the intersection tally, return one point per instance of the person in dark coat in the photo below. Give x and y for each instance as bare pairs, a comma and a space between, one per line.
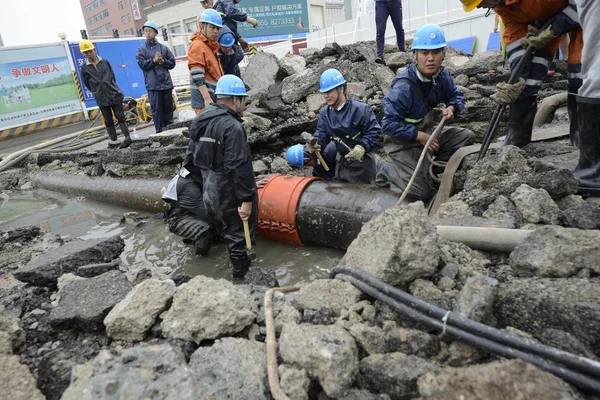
352, 127
218, 149
231, 16
230, 54
156, 60
98, 76
383, 10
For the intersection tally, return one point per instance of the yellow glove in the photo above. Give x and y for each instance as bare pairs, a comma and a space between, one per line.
252, 21
356, 153
508, 93
536, 38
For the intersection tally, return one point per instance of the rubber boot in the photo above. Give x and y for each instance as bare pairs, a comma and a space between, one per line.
520, 121
113, 143
572, 108
241, 265
125, 131
587, 173
204, 243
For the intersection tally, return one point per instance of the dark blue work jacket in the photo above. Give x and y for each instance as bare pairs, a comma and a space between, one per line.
157, 76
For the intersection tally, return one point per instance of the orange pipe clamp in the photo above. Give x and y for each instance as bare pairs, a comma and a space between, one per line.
278, 202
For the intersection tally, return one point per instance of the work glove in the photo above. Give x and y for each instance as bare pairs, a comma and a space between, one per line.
537, 38
252, 21
311, 142
508, 93
356, 153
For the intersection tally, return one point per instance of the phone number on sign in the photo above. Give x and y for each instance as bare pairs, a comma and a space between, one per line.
283, 21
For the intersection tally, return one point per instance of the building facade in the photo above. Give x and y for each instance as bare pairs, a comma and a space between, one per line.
102, 16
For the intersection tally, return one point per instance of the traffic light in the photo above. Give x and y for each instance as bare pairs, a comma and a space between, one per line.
84, 35
116, 33
165, 34
140, 33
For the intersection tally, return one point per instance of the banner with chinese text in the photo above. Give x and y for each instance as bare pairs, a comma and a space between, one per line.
36, 83
275, 17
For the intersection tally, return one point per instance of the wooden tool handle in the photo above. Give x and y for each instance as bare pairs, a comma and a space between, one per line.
322, 160
247, 234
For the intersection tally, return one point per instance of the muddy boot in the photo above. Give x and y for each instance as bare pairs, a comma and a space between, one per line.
113, 143
520, 121
587, 173
241, 265
125, 131
572, 108
204, 243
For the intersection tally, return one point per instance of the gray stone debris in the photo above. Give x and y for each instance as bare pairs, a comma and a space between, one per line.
260, 167
398, 59
476, 299
45, 270
394, 374
503, 209
287, 315
458, 256
133, 316
498, 380
11, 325
558, 182
370, 339
292, 64
327, 353
89, 271
231, 368
556, 252
261, 71
85, 302
570, 201
585, 216
206, 308
398, 246
300, 85
294, 382
451, 209
355, 89
315, 102
411, 342
426, 290
332, 293
16, 380
461, 80
149, 371
6, 347
384, 77
280, 166
535, 205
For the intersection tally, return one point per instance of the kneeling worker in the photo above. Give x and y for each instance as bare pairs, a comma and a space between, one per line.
408, 113
218, 148
351, 125
230, 54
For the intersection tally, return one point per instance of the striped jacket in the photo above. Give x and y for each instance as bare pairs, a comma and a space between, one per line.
205, 67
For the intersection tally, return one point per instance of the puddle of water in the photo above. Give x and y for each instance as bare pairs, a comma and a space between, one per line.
151, 244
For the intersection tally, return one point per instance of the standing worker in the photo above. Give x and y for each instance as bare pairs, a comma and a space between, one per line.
219, 149
383, 10
408, 113
230, 54
522, 22
98, 76
587, 172
351, 125
156, 60
231, 16
205, 68
206, 4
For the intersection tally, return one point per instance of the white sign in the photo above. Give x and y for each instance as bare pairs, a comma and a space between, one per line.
135, 8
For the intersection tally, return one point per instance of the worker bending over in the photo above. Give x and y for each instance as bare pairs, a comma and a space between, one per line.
347, 126
230, 54
203, 63
522, 22
408, 115
98, 76
231, 16
219, 151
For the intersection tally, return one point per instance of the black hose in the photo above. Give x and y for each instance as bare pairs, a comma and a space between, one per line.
581, 364
581, 381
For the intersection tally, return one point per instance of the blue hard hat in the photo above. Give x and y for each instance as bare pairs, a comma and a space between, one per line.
212, 17
331, 79
151, 24
297, 154
226, 37
429, 37
230, 85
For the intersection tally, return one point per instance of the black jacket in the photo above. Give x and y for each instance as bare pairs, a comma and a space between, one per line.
157, 76
219, 150
100, 80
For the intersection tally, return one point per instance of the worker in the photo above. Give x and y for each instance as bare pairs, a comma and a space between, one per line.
587, 172
205, 68
98, 76
408, 114
352, 127
230, 54
383, 10
219, 150
522, 20
187, 216
155, 59
231, 16
206, 4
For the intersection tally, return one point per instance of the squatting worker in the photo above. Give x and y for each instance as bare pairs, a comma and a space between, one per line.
232, 15
230, 54
587, 172
218, 149
204, 65
155, 59
408, 114
98, 76
352, 128
522, 21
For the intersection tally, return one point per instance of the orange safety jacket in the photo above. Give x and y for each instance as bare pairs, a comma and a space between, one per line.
205, 67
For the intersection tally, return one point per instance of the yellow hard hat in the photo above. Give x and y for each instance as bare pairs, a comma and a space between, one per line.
85, 45
470, 5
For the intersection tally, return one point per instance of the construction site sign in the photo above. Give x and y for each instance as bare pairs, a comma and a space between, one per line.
275, 17
36, 83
